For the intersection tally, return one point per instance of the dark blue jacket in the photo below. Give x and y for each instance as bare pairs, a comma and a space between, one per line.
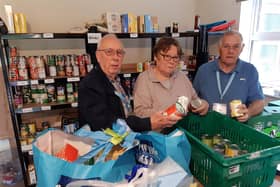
100, 107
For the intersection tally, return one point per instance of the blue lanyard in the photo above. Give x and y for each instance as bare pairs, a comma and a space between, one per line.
125, 100
222, 94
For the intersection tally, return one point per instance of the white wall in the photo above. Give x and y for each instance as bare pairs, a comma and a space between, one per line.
62, 15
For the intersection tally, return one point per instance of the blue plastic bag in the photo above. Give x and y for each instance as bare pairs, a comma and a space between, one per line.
49, 169
174, 145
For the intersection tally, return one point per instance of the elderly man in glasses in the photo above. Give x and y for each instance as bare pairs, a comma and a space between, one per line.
102, 99
160, 86
229, 79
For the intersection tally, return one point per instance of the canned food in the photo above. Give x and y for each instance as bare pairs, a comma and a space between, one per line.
179, 108
24, 131
30, 139
13, 51
226, 142
232, 150
60, 98
217, 139
32, 127
242, 152
196, 103
70, 97
234, 104
23, 141
69, 88
219, 148
205, 138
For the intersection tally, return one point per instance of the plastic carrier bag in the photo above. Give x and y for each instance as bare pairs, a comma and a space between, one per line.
50, 169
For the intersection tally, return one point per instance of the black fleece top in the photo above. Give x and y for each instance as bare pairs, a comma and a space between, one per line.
99, 107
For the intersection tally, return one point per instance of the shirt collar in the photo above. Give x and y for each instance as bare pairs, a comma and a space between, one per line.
153, 78
237, 69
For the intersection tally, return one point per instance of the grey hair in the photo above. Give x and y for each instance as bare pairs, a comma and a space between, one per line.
107, 36
230, 33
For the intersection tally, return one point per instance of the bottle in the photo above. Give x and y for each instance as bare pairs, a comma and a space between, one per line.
31, 175
196, 22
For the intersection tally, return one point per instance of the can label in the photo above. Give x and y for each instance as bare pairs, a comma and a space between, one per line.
179, 108
234, 104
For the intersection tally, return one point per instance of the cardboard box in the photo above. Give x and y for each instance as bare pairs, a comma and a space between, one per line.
155, 24
113, 21
129, 23
148, 23
141, 24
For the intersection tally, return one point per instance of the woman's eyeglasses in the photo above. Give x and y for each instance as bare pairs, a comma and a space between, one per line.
112, 52
168, 57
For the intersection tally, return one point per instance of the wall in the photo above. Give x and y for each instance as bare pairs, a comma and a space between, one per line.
60, 16
216, 10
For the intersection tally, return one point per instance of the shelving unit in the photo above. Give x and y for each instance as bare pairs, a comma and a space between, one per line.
90, 48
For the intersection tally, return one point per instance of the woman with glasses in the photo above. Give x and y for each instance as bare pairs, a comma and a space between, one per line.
160, 86
102, 99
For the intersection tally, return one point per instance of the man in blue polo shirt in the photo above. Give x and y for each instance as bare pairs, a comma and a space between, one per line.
230, 78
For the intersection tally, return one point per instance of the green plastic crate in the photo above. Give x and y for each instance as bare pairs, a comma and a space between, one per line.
255, 169
261, 123
274, 103
272, 109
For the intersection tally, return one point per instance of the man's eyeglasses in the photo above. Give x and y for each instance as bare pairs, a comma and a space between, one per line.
112, 52
234, 47
168, 58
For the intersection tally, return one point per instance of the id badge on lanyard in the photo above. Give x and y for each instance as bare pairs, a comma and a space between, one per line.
221, 107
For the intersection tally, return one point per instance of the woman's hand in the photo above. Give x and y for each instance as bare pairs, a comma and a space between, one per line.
161, 121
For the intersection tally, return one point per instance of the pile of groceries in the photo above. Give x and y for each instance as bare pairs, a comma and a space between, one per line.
112, 157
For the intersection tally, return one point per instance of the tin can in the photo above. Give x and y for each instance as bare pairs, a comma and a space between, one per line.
70, 97
81, 64
226, 142
217, 139
13, 71
206, 139
234, 104
32, 128
60, 65
232, 150
13, 51
69, 88
196, 103
51, 66
219, 148
23, 141
30, 139
33, 69
23, 131
179, 108
51, 92
40, 61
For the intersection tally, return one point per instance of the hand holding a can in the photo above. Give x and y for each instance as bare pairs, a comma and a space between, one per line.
199, 106
160, 121
244, 113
